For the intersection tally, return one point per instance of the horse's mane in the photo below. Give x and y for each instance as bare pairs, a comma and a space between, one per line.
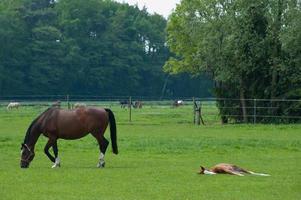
34, 121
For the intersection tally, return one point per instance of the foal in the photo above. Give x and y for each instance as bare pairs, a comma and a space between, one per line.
224, 168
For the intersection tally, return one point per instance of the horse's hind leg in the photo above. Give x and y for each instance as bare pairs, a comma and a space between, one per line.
234, 172
103, 144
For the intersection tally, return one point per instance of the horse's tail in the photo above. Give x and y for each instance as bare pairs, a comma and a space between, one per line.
113, 130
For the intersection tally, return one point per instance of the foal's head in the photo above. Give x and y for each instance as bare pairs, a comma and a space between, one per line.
202, 170
27, 156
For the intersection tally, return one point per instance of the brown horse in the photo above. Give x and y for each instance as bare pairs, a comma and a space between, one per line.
56, 123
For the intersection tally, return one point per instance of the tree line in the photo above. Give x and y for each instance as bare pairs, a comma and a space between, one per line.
97, 47
251, 49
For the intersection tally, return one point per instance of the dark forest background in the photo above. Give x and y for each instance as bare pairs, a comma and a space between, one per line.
234, 49
95, 47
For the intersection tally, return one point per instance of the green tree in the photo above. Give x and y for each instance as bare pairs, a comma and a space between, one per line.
12, 49
97, 47
239, 44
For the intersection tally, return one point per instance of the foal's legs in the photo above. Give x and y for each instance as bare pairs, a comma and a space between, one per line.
234, 172
103, 144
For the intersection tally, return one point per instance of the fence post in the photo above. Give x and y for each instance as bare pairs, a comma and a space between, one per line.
201, 113
68, 103
130, 109
194, 107
198, 115
254, 112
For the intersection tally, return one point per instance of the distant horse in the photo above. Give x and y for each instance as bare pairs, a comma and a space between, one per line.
178, 103
56, 123
137, 104
12, 105
78, 105
56, 104
124, 103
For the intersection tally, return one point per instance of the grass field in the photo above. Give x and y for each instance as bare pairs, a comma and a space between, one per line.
160, 153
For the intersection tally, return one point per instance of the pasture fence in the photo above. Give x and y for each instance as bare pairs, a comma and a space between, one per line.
196, 110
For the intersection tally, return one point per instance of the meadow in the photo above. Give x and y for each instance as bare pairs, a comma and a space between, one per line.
160, 154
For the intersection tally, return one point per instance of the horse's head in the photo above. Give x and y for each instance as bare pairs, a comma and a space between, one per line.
27, 156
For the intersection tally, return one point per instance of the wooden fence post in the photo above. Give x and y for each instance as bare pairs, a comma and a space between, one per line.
197, 113
193, 107
201, 113
198, 116
68, 103
254, 112
130, 109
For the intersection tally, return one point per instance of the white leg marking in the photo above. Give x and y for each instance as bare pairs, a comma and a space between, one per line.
101, 156
209, 172
101, 163
57, 163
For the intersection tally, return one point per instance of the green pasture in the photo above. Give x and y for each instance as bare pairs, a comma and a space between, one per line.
160, 153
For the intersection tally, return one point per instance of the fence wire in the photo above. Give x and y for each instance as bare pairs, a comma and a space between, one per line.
213, 110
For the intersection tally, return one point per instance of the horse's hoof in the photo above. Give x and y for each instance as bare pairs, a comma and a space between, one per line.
101, 165
56, 166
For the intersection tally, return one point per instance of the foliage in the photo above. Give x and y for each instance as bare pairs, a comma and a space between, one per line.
96, 47
243, 45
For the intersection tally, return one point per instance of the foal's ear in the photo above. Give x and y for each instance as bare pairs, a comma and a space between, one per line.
202, 170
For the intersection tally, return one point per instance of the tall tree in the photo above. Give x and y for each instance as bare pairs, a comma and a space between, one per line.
97, 47
12, 49
238, 43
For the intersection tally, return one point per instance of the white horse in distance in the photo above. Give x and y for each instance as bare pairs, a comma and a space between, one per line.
13, 105
79, 105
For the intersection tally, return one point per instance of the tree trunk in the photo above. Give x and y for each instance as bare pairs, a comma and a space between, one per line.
276, 56
276, 49
164, 87
243, 101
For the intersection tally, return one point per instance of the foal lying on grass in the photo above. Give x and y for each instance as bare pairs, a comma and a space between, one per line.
224, 168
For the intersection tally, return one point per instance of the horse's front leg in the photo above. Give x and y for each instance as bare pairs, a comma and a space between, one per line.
57, 162
52, 143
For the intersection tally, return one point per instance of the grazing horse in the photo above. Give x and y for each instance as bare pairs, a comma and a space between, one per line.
56, 123
224, 168
12, 105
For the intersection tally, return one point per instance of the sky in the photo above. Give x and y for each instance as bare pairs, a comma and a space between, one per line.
162, 7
